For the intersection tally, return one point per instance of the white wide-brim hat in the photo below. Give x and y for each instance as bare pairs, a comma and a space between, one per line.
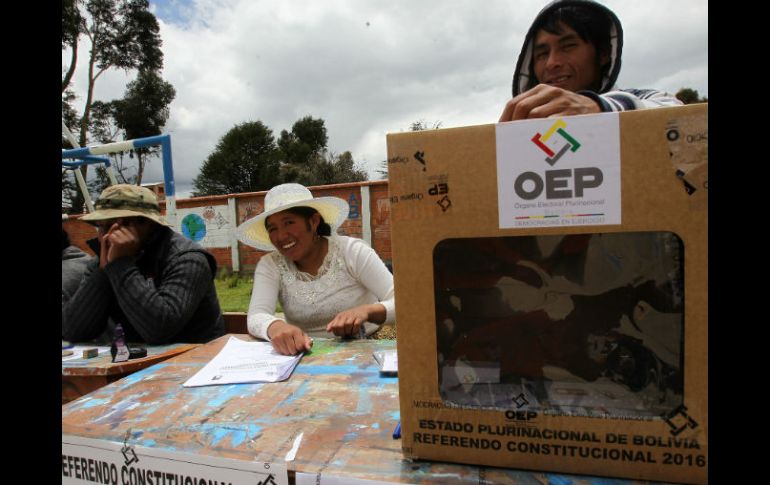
285, 196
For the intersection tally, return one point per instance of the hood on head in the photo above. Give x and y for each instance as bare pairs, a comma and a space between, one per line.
524, 79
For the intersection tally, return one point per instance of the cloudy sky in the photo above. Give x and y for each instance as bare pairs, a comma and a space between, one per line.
372, 67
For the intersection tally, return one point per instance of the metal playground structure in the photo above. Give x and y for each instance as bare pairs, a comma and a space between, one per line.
76, 157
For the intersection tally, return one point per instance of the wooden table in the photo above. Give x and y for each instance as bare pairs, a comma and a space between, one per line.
335, 397
81, 376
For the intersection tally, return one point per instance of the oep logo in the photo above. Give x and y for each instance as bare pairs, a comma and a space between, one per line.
563, 183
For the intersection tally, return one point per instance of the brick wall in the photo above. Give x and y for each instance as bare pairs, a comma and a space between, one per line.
380, 208
79, 232
250, 204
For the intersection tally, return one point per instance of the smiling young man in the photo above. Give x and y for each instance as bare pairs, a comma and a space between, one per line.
569, 64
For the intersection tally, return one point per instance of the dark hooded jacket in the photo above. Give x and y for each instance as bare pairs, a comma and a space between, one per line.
74, 263
165, 295
608, 97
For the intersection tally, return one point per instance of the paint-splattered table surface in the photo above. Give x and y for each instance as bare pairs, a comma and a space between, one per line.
336, 397
102, 365
81, 376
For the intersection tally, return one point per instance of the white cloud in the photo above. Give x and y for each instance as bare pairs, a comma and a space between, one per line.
368, 68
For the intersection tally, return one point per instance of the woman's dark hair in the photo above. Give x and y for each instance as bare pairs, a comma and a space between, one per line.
323, 229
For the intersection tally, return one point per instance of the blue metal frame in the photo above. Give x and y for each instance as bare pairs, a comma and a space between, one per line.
88, 156
87, 160
163, 140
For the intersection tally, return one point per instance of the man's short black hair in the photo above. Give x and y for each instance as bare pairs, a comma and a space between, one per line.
591, 24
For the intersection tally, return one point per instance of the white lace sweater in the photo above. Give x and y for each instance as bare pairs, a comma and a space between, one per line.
351, 274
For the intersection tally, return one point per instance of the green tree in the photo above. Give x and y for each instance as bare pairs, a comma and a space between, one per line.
345, 169
326, 168
143, 112
306, 159
71, 22
245, 160
69, 115
69, 188
68, 191
104, 129
422, 125
689, 96
419, 125
305, 141
124, 34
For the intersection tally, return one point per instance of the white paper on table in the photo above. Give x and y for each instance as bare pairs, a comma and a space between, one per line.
77, 352
387, 360
390, 363
244, 362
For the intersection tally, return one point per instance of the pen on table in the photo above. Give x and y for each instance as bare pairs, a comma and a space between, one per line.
397, 431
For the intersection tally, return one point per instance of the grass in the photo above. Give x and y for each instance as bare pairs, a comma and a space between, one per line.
234, 292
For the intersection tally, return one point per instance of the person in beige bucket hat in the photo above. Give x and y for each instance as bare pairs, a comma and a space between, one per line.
154, 282
124, 200
327, 284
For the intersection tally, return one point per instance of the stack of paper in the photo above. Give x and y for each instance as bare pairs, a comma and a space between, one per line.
387, 360
244, 362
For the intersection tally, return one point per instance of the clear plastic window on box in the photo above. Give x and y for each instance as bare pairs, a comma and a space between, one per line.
579, 324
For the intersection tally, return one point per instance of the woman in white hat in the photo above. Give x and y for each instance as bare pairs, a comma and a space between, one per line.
327, 284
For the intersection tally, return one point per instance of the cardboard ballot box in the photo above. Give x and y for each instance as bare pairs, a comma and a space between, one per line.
551, 279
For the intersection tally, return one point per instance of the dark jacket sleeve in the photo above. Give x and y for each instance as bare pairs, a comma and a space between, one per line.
160, 313
84, 316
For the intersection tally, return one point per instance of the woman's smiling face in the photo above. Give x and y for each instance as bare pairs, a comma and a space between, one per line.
293, 235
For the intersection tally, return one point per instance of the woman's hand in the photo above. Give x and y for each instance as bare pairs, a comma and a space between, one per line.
288, 339
348, 323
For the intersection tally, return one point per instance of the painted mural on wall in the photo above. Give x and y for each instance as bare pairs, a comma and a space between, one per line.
382, 216
355, 206
247, 210
209, 226
194, 227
